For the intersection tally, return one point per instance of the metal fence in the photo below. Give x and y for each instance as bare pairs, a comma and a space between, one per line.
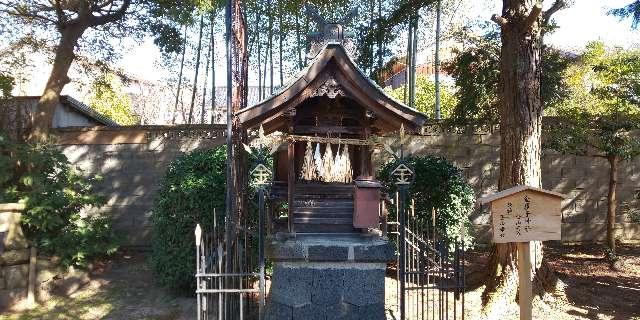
430, 268
230, 275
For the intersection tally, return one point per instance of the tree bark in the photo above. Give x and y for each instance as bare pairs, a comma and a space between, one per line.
240, 72
612, 204
41, 119
520, 148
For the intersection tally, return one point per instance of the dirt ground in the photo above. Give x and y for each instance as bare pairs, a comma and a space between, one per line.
120, 289
123, 289
591, 289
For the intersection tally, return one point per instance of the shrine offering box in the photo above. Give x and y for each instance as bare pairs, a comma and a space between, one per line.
367, 203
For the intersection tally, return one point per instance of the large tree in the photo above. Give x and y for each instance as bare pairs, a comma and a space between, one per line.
520, 113
602, 117
476, 72
631, 10
70, 21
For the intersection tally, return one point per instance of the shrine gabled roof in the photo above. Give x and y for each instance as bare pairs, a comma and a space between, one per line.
332, 61
518, 189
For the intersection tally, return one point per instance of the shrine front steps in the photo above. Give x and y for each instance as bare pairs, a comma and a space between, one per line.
323, 208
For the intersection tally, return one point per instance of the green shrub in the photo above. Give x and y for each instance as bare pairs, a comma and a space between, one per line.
55, 197
441, 185
192, 187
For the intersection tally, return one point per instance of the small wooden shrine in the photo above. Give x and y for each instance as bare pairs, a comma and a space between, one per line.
328, 114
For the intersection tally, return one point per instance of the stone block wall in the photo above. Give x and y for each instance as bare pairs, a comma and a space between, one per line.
14, 255
15, 259
132, 161
584, 179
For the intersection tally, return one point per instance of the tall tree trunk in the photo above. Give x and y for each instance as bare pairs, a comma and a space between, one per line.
612, 203
280, 34
213, 65
195, 76
264, 72
184, 49
379, 40
240, 72
308, 44
203, 110
520, 147
269, 5
414, 53
41, 119
298, 42
407, 80
369, 63
257, 31
436, 65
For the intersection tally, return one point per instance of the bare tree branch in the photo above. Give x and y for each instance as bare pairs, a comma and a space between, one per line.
501, 21
557, 6
110, 17
26, 14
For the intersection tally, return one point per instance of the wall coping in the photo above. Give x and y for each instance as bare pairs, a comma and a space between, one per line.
176, 127
12, 207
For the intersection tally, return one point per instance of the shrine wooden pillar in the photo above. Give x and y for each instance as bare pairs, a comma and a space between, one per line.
291, 177
365, 156
291, 180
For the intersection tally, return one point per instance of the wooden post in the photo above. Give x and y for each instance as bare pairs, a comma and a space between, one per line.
524, 274
520, 215
290, 183
31, 290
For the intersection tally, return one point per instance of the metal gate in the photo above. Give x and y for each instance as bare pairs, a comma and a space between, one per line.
230, 266
430, 267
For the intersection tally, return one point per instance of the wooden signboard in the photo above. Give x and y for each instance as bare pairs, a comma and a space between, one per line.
520, 215
523, 214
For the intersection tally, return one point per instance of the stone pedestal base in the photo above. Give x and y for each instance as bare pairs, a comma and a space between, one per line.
328, 277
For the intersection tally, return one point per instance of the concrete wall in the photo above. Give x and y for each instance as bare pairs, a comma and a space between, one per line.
132, 161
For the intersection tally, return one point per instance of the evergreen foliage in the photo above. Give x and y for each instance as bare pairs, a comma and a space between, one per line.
603, 109
601, 118
477, 76
441, 185
6, 85
631, 10
193, 186
426, 97
56, 199
109, 99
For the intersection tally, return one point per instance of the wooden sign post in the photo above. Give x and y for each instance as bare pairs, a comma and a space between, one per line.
520, 215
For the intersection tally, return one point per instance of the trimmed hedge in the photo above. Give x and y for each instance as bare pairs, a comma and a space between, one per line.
192, 187
441, 185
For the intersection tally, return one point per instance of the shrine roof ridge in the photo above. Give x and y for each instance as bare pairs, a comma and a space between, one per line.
517, 189
300, 80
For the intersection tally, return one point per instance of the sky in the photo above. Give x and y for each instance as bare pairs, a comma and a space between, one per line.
585, 21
